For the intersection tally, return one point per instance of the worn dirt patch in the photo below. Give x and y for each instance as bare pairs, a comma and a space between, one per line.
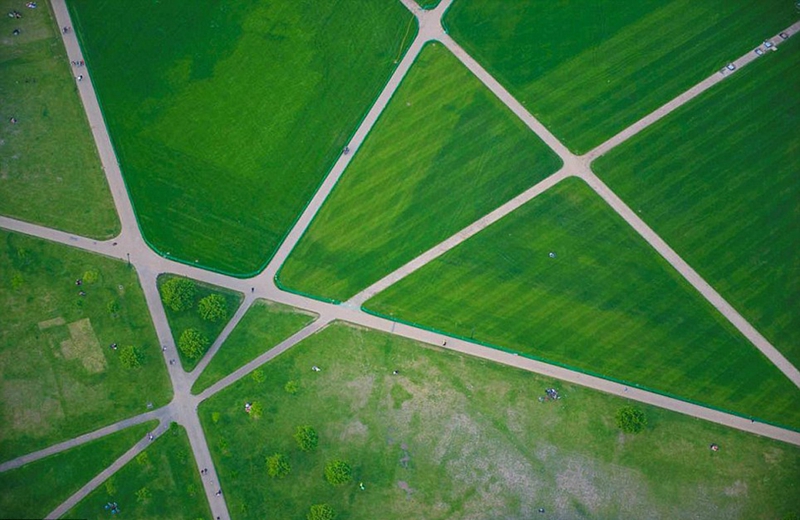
28, 408
83, 345
354, 428
55, 322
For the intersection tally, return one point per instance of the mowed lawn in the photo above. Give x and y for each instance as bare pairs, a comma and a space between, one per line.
264, 325
718, 180
59, 376
606, 304
460, 438
587, 70
163, 481
444, 153
179, 321
227, 116
50, 173
35, 489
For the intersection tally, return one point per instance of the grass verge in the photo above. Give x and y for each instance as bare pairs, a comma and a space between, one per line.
454, 437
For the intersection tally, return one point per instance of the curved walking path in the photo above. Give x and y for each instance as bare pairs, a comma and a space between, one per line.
130, 246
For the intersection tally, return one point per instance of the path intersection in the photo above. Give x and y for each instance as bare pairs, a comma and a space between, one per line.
129, 245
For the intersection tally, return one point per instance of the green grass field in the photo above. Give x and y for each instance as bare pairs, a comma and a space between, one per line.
50, 173
37, 488
226, 117
606, 304
190, 318
264, 325
428, 4
718, 181
444, 153
59, 376
587, 70
454, 437
168, 473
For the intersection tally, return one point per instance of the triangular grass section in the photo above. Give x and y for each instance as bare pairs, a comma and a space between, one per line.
444, 153
428, 428
718, 180
35, 489
161, 482
190, 318
606, 303
264, 325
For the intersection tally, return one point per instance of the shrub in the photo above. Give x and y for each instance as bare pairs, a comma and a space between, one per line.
631, 419
258, 376
256, 410
17, 281
338, 472
306, 438
278, 465
91, 276
193, 343
215, 416
178, 294
213, 308
321, 512
291, 387
130, 357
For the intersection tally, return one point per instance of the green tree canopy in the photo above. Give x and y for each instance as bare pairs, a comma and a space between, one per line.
338, 472
193, 343
213, 308
278, 465
306, 438
178, 293
631, 419
321, 512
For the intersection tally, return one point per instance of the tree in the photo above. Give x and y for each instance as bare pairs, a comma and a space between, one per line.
256, 410
193, 343
321, 512
213, 308
631, 419
258, 376
130, 356
178, 293
338, 472
278, 465
306, 438
291, 387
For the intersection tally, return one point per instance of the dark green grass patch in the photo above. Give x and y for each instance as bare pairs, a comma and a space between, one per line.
444, 153
428, 4
226, 116
37, 488
191, 319
606, 303
718, 180
50, 173
455, 437
588, 70
59, 376
161, 482
264, 325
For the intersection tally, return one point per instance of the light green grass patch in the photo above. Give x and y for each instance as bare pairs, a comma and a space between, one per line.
230, 114
606, 304
170, 476
444, 153
264, 325
50, 173
587, 70
190, 318
455, 437
34, 490
51, 390
718, 180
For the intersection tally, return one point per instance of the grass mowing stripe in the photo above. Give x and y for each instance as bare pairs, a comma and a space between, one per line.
444, 153
37, 488
605, 303
718, 181
264, 325
589, 70
228, 116
50, 173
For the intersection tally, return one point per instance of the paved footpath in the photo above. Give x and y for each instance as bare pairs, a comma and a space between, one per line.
130, 246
